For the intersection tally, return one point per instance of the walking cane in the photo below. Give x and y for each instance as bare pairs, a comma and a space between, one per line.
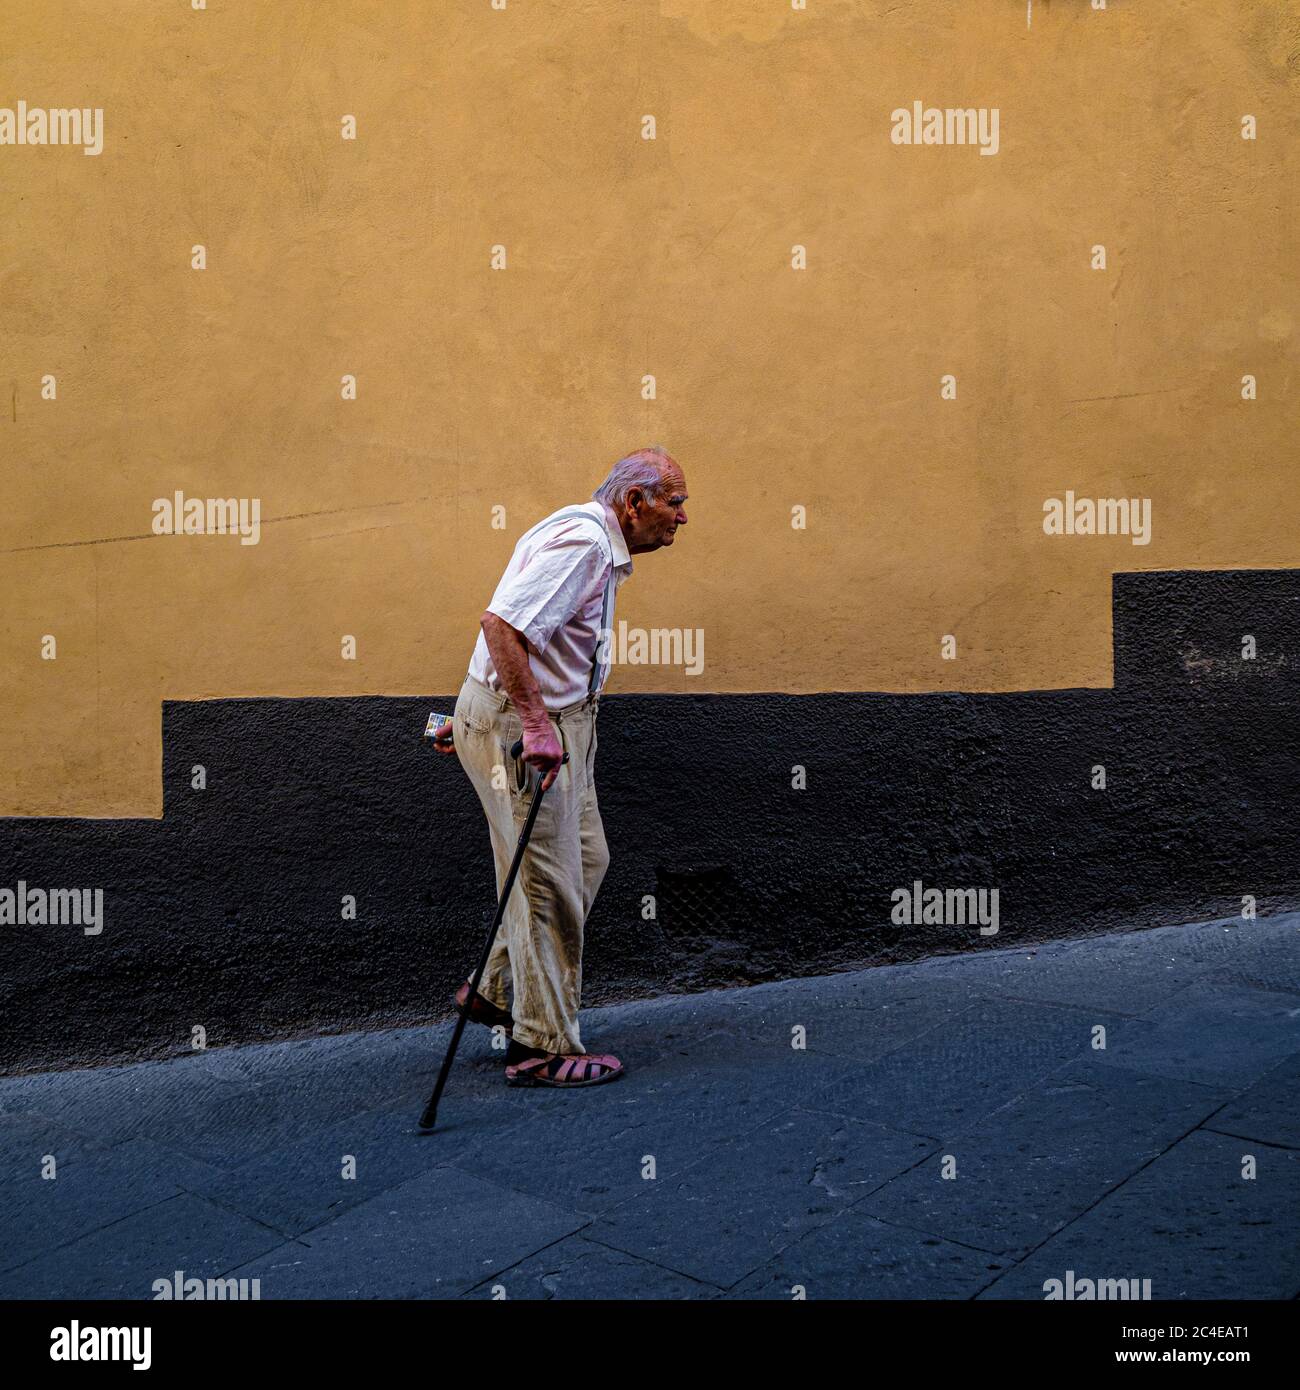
429, 1118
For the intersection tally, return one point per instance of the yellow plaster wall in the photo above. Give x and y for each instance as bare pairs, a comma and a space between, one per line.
522, 126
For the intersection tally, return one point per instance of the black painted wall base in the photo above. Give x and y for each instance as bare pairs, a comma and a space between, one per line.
226, 914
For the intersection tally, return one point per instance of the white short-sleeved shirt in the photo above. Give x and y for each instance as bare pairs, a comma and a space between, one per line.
553, 591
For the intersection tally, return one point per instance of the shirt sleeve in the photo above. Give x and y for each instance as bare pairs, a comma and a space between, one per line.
551, 587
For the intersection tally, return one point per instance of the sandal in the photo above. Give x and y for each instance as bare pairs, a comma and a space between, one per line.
483, 1011
551, 1069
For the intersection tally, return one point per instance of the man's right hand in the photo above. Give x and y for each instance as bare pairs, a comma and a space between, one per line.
543, 750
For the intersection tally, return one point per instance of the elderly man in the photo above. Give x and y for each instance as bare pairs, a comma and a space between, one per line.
538, 669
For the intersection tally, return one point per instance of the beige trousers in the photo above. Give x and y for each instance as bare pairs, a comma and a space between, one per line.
539, 946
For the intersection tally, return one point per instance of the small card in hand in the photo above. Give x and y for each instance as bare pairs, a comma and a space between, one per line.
436, 721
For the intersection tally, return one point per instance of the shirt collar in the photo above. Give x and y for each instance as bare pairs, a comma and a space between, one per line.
617, 544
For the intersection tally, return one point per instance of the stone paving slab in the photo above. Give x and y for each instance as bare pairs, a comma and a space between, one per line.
673, 1113
578, 1268
730, 1212
92, 1188
436, 1236
1138, 970
1025, 1171
319, 1176
1129, 972
947, 1079
1219, 1034
857, 1256
863, 1026
1269, 1111
27, 1136
116, 1103
123, 1259
1125, 980
1264, 953
1189, 1222
186, 1110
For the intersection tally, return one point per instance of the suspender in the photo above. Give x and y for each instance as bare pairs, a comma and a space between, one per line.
609, 584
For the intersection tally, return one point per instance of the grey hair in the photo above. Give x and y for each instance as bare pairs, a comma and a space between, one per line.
642, 469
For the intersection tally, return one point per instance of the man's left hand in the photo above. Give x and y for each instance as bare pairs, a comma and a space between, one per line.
441, 733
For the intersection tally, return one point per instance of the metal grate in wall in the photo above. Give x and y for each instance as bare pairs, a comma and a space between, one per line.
697, 905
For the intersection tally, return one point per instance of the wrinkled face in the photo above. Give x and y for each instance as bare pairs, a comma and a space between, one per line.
653, 523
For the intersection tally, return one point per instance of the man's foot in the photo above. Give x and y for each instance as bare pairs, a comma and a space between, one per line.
483, 1011
529, 1066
